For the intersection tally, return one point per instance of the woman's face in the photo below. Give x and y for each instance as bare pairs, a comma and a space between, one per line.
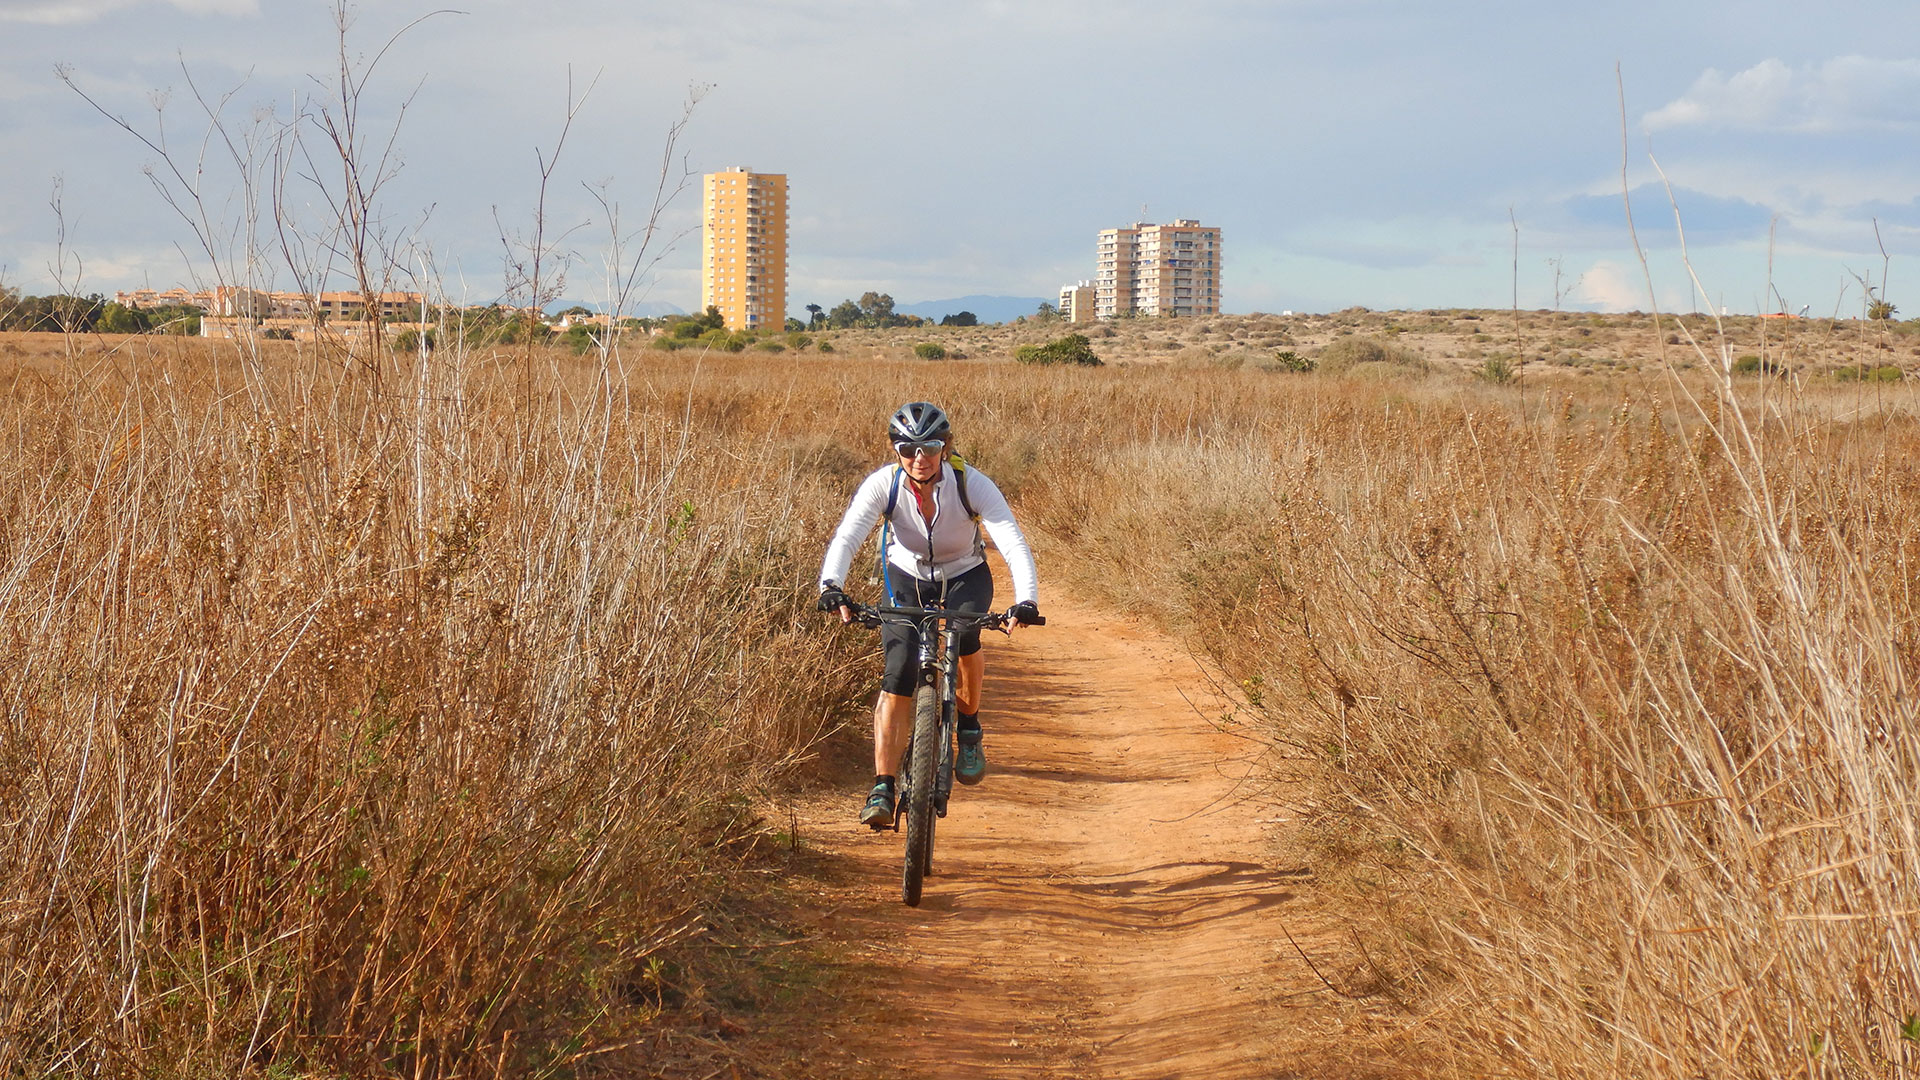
922, 462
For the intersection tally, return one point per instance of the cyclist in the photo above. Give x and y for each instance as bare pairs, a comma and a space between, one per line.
935, 507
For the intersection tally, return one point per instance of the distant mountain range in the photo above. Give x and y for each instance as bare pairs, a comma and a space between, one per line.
985, 308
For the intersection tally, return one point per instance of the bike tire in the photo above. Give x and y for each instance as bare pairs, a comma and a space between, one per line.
926, 763
942, 778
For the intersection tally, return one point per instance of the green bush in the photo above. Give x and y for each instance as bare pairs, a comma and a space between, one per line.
516, 330
580, 338
769, 346
406, 341
824, 346
930, 350
1754, 365
797, 340
1286, 360
1072, 349
1867, 373
182, 319
726, 342
1497, 368
1347, 353
116, 319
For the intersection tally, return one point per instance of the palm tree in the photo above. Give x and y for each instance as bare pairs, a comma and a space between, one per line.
813, 315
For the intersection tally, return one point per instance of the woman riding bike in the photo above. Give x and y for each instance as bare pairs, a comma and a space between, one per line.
935, 507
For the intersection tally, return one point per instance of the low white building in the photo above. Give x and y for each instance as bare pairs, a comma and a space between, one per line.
1077, 302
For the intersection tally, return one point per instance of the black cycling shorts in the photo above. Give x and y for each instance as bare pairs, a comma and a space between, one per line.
971, 591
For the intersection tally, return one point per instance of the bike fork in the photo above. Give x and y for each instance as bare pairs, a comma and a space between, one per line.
949, 706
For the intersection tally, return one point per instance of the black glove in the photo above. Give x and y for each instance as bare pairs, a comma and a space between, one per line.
1026, 613
832, 599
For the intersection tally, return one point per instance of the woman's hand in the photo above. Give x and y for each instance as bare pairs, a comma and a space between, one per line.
831, 599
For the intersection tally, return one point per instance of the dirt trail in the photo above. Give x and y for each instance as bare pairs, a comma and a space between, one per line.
1103, 905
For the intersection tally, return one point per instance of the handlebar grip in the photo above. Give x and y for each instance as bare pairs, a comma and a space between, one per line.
1038, 620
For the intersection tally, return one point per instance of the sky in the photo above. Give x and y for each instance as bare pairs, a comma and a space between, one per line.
1391, 154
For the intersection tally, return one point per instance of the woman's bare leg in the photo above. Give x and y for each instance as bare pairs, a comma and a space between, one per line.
973, 671
892, 721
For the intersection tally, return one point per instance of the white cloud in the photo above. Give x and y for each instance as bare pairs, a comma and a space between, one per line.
1609, 287
1846, 93
54, 12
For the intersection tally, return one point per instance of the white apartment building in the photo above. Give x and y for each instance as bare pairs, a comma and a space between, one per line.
1171, 270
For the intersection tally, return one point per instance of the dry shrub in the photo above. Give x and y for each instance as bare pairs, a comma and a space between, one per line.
406, 729
1350, 353
1193, 357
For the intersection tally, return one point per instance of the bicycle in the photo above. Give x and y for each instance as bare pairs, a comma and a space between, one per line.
930, 747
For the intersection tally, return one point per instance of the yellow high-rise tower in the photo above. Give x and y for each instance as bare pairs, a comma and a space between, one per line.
743, 248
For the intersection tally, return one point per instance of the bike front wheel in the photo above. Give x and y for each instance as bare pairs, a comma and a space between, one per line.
919, 791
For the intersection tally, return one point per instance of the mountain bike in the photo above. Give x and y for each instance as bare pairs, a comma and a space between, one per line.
926, 768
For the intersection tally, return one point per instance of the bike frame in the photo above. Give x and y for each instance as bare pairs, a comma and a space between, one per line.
938, 663
939, 631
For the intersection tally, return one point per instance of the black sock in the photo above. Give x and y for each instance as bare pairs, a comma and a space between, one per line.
970, 721
884, 778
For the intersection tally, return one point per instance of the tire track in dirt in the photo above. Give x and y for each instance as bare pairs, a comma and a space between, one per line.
1103, 905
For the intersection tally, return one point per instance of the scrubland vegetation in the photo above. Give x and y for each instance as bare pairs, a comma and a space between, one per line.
1603, 694
379, 729
418, 726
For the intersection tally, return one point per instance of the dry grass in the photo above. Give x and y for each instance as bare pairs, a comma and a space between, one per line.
386, 733
405, 733
1608, 711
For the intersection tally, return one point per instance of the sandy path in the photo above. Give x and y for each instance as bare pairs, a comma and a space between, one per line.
1103, 905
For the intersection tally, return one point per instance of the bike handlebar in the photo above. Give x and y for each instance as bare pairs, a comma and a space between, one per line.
958, 621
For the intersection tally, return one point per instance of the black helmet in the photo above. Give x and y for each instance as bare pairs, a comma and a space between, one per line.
918, 421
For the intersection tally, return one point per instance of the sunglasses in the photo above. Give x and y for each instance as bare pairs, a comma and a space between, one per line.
929, 447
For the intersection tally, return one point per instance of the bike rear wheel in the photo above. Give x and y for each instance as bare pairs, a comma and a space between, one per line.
920, 785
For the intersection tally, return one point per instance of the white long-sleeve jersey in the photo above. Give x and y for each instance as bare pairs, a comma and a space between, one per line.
937, 550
